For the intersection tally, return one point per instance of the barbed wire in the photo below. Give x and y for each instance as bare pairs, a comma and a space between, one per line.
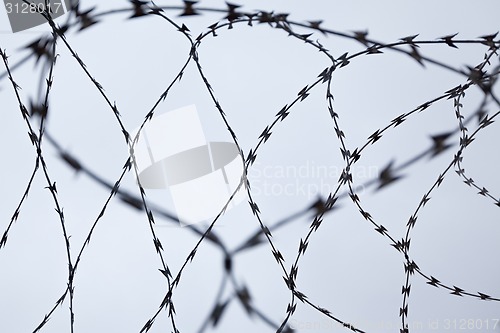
45, 50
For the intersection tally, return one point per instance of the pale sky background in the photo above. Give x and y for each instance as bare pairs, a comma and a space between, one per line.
348, 268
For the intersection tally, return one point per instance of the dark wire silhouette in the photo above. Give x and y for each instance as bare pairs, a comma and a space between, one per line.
482, 76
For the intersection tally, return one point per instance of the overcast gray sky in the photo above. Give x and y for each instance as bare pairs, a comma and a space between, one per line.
348, 268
